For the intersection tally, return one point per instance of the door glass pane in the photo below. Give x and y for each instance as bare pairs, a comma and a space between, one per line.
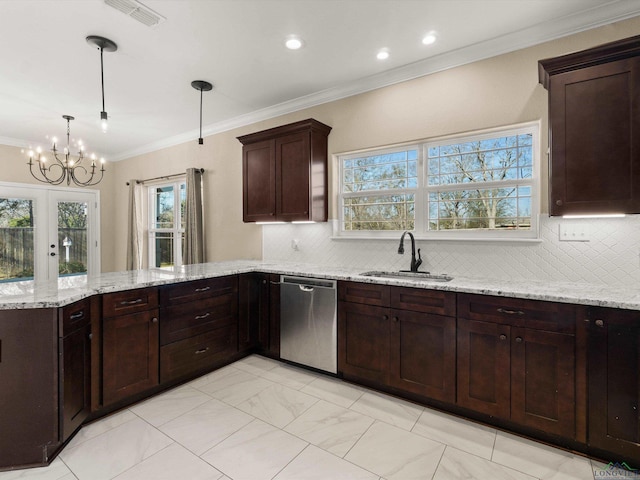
164, 249
16, 239
164, 207
72, 238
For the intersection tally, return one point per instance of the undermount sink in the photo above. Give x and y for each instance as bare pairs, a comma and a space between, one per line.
408, 275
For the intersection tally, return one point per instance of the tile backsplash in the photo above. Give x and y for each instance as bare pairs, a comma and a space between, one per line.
610, 257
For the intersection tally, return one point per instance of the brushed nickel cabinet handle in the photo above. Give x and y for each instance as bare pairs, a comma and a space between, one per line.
599, 323
200, 317
510, 312
131, 302
154, 320
203, 289
202, 350
75, 316
503, 337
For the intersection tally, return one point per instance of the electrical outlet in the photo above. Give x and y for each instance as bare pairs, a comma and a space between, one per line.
575, 232
295, 244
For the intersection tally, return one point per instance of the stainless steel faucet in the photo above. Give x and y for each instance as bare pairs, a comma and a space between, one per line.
415, 263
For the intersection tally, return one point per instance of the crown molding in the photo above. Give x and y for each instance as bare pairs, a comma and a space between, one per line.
607, 13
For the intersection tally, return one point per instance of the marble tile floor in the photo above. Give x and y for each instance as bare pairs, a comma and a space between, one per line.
259, 419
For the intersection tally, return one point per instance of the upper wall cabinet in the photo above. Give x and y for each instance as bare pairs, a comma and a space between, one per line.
284, 173
594, 129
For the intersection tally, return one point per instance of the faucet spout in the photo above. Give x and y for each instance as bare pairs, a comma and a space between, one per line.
415, 263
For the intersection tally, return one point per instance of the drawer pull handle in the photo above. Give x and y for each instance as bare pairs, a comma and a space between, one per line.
75, 316
599, 323
202, 350
510, 312
131, 302
200, 317
503, 337
519, 339
203, 289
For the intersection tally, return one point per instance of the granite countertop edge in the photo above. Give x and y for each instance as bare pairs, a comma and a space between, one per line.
27, 295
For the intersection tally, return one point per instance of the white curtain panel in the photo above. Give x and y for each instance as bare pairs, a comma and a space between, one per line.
134, 233
194, 250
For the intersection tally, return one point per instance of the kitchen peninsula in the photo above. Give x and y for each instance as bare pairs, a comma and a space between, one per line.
87, 347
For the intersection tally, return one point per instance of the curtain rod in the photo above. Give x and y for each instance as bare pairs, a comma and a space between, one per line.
165, 177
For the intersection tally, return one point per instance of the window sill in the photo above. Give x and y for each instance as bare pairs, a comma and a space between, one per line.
439, 239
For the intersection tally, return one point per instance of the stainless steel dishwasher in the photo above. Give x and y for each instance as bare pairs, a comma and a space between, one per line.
308, 322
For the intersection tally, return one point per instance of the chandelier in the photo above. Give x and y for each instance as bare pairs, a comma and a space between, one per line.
64, 166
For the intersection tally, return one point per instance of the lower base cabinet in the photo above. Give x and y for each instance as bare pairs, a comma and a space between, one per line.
197, 354
29, 422
517, 362
411, 349
130, 355
75, 323
614, 383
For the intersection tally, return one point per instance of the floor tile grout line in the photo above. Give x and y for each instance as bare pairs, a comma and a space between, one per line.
151, 456
439, 461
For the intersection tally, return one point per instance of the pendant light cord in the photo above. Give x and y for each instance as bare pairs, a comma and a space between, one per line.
102, 77
201, 113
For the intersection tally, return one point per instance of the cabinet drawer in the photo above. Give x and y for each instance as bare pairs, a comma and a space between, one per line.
73, 317
197, 354
197, 290
427, 301
367, 293
534, 314
129, 301
186, 320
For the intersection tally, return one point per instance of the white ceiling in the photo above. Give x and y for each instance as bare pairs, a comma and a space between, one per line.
49, 70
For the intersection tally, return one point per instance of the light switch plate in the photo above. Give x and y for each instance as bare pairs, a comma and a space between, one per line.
575, 232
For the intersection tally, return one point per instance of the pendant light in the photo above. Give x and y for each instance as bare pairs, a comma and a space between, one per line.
203, 86
105, 45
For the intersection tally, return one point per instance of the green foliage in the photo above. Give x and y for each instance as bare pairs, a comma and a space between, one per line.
65, 268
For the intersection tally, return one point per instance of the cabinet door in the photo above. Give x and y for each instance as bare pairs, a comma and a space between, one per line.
130, 355
253, 311
28, 387
293, 166
75, 379
543, 380
423, 357
259, 182
363, 342
614, 382
484, 367
594, 116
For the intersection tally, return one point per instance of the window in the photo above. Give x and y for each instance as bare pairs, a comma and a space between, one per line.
483, 185
166, 228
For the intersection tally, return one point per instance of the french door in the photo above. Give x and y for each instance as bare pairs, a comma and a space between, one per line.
47, 233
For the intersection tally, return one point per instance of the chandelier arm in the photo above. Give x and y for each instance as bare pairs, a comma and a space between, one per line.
43, 172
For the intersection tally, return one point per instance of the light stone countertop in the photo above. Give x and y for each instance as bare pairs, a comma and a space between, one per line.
22, 295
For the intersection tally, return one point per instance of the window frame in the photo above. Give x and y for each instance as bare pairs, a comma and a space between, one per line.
421, 221
176, 230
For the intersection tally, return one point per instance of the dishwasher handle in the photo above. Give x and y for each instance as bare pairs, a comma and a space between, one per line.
306, 288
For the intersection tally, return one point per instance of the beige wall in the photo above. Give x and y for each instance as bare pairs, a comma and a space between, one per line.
13, 168
499, 91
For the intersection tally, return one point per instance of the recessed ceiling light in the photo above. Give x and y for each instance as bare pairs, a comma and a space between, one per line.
429, 38
293, 42
383, 54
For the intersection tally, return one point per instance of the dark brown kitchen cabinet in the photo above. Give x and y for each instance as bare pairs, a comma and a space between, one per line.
258, 325
517, 361
614, 383
198, 326
594, 129
75, 344
284, 173
363, 342
397, 336
130, 344
29, 417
